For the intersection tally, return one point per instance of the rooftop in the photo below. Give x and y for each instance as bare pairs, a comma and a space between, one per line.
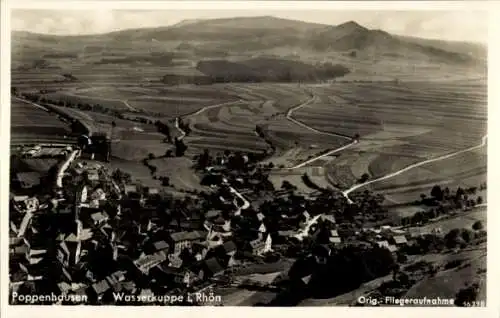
188, 236
101, 287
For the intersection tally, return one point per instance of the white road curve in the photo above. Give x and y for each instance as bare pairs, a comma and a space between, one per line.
418, 164
331, 152
246, 203
183, 133
64, 167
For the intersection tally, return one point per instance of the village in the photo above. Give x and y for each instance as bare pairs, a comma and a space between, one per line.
90, 232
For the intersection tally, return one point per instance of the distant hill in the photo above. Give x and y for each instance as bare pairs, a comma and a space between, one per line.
349, 43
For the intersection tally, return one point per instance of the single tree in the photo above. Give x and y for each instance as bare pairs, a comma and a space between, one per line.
478, 225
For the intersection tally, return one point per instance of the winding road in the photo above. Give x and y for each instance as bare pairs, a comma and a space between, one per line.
418, 164
201, 110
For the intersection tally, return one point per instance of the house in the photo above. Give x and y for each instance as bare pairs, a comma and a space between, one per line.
262, 228
212, 214
99, 218
152, 192
129, 287
334, 233
114, 280
181, 240
383, 244
399, 240
101, 287
174, 261
286, 233
161, 246
93, 176
257, 245
98, 194
392, 248
306, 215
130, 189
64, 287
335, 240
146, 262
260, 216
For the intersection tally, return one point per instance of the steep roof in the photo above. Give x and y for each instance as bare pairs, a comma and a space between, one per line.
188, 236
400, 239
229, 247
101, 286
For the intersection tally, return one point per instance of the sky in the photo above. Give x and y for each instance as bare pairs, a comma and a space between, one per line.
464, 25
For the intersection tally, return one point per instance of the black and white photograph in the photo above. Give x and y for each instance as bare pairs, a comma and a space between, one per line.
251, 158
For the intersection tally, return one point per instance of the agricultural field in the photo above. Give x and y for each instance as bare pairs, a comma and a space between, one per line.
264, 105
227, 127
466, 170
73, 98
159, 101
27, 119
401, 125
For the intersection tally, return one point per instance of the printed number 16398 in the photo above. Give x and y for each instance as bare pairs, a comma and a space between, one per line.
475, 303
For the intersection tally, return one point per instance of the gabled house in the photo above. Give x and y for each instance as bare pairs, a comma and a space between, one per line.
101, 288
399, 240
146, 262
99, 218
181, 240
161, 246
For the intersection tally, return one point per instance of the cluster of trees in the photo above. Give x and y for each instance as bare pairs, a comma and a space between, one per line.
98, 108
180, 147
156, 58
308, 182
424, 217
265, 69
364, 178
461, 197
344, 270
455, 238
164, 129
443, 201
368, 207
184, 126
121, 177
